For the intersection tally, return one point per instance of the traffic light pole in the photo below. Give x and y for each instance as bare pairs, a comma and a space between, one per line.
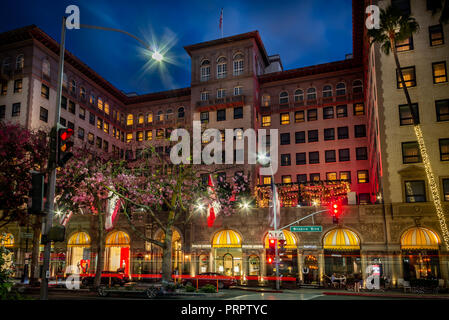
48, 221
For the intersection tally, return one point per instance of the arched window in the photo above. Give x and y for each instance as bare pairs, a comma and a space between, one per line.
92, 99
299, 95
311, 94
20, 61
222, 68
6, 65
283, 97
357, 86
106, 108
181, 113
46, 68
238, 64
83, 93
169, 114
266, 100
205, 70
100, 103
73, 86
341, 89
130, 120
160, 115
327, 91
140, 119
65, 81
150, 117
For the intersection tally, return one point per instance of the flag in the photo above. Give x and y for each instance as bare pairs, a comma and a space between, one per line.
65, 218
112, 209
221, 20
275, 207
213, 207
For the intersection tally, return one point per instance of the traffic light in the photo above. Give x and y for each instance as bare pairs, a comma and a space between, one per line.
37, 193
64, 146
271, 251
281, 246
270, 259
336, 212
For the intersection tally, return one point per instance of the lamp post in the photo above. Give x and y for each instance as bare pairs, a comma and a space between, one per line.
48, 220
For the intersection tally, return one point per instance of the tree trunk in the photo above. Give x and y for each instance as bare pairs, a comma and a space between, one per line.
167, 257
34, 268
100, 248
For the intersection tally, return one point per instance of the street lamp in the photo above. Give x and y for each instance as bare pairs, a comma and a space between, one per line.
157, 56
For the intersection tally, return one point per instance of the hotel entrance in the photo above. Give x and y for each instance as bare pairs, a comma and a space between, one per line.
227, 251
78, 252
117, 252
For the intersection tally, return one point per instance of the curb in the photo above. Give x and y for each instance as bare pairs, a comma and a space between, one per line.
257, 289
385, 295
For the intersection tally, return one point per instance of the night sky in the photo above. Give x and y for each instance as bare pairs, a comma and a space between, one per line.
303, 32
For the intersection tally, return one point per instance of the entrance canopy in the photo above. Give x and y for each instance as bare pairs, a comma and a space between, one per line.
79, 239
117, 239
419, 238
7, 240
227, 239
341, 239
290, 240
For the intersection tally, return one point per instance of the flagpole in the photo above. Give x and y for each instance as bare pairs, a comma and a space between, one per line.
222, 22
276, 252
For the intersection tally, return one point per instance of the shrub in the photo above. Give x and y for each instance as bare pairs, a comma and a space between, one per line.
190, 289
208, 288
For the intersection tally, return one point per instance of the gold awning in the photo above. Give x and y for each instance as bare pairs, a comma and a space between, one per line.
79, 239
341, 239
117, 239
419, 238
290, 240
227, 239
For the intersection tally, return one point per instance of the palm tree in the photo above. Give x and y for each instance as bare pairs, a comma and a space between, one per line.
440, 5
395, 27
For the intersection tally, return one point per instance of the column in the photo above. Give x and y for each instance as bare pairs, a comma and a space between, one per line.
364, 265
300, 265
211, 261
444, 266
263, 265
321, 266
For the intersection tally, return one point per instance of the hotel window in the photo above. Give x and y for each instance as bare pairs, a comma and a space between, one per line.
409, 77
3, 88
410, 152
238, 133
238, 113
90, 138
404, 45
312, 114
315, 177
285, 118
343, 155
329, 134
266, 180
72, 107
129, 137
345, 175
100, 103
204, 117
343, 133
405, 116
130, 120
221, 93
300, 137
330, 156
342, 111
43, 114
314, 157
168, 114
362, 176
444, 149
415, 191
299, 116
361, 153
340, 89
205, 70
99, 142
327, 91
106, 108
20, 61
15, 110
45, 92
360, 131
285, 159
439, 72
140, 119
301, 158
299, 95
17, 85
106, 127
168, 132
150, 117
91, 118
331, 176
160, 116
159, 133
446, 189
311, 94
149, 135
436, 35
83, 93
328, 113
92, 99
100, 123
402, 5
357, 86
70, 125
238, 91
204, 96
80, 133
301, 178
359, 109
266, 121
139, 136
73, 87
285, 139
283, 97
2, 112
105, 146
221, 115
82, 113
46, 68
312, 135
442, 108
286, 179
64, 102
238, 64
266, 100
221, 68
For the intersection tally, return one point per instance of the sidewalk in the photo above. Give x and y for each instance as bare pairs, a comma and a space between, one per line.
388, 294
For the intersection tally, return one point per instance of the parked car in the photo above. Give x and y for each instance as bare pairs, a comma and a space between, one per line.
113, 277
210, 278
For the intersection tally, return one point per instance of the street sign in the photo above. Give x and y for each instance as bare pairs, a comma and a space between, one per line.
278, 234
306, 229
27, 235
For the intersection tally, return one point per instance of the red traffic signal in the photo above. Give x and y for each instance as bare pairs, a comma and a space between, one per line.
270, 260
336, 209
64, 146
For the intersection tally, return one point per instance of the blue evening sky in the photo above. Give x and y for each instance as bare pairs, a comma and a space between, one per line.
303, 32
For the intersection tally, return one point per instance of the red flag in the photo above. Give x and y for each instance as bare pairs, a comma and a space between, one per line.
221, 19
211, 214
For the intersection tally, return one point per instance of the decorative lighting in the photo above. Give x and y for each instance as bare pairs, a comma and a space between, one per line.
157, 56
